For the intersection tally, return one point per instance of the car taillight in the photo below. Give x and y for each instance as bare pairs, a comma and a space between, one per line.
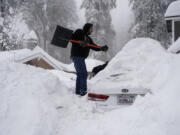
97, 97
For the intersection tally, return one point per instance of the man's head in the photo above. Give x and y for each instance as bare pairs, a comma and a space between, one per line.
88, 28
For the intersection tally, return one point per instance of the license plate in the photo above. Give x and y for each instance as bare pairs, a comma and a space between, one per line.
126, 98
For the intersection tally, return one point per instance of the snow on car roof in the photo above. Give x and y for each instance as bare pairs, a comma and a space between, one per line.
135, 66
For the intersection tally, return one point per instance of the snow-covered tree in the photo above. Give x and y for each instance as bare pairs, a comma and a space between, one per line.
7, 15
149, 20
42, 16
98, 13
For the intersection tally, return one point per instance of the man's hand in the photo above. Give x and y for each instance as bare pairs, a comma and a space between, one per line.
104, 48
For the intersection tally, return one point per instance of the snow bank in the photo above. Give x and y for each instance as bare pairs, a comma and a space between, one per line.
14, 55
136, 65
155, 114
34, 102
26, 100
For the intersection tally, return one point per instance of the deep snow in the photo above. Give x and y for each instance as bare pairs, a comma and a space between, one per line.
136, 66
26, 100
34, 101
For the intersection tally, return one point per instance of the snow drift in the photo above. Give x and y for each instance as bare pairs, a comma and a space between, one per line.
35, 102
27, 106
136, 65
156, 113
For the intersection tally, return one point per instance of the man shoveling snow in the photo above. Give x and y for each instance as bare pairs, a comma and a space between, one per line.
79, 53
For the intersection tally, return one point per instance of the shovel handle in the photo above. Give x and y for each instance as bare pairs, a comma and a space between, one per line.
79, 42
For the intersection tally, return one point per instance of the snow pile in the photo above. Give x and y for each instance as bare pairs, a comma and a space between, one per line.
136, 65
35, 102
59, 64
156, 114
26, 100
174, 48
68, 79
90, 63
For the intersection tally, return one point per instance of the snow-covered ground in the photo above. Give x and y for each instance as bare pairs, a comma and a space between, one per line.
34, 101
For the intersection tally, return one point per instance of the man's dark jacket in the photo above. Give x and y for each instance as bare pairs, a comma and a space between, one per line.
78, 50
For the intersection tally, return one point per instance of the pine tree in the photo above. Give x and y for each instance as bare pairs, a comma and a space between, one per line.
98, 13
149, 20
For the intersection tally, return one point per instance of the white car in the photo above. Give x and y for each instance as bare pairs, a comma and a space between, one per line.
113, 98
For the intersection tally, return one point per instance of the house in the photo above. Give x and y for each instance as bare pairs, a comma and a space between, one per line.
172, 17
40, 58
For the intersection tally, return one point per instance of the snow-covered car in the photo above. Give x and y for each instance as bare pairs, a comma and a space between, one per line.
112, 95
128, 75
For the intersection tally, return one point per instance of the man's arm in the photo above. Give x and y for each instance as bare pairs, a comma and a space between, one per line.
94, 48
102, 48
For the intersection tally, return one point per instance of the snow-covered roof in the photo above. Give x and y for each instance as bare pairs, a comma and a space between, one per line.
173, 10
39, 56
25, 55
40, 53
33, 99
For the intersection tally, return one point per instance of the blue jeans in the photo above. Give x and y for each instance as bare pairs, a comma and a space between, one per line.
81, 71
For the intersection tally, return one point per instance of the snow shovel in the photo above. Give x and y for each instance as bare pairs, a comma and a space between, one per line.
62, 36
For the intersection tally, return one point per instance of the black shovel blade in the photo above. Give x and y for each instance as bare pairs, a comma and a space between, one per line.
61, 36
